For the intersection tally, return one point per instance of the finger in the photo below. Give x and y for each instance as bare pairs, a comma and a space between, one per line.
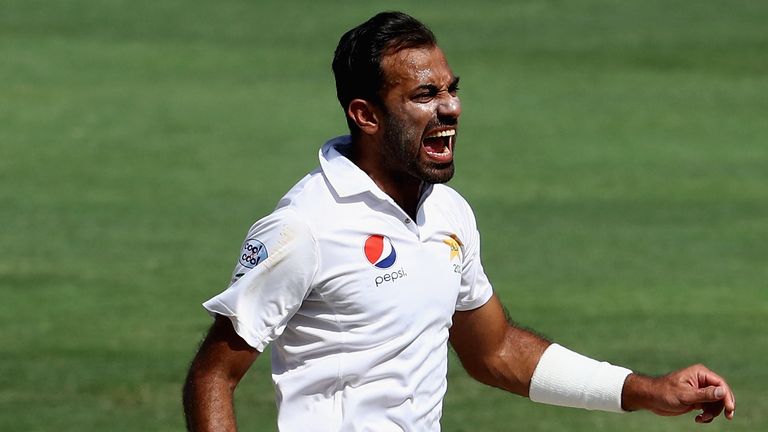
713, 379
704, 418
730, 406
706, 377
730, 403
712, 410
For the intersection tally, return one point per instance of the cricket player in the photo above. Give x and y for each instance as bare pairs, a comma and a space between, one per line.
370, 266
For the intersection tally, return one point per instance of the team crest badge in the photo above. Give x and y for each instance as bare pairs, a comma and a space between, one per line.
454, 243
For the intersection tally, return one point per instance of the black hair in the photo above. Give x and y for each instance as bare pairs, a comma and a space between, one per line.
357, 60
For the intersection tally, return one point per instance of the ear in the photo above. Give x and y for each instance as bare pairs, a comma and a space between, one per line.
366, 115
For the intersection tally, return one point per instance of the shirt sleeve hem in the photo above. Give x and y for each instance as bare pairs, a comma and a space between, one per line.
476, 303
215, 307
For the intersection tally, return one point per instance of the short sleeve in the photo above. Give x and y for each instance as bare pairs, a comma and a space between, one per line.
273, 276
475, 289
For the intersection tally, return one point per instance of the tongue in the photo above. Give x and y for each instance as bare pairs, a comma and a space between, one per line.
434, 145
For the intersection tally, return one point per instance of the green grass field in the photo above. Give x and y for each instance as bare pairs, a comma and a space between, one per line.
616, 154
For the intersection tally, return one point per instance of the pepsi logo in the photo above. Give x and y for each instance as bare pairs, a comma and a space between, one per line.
379, 251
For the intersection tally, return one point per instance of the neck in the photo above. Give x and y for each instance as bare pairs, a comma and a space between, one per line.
403, 188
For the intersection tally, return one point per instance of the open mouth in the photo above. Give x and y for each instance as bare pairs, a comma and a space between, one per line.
439, 145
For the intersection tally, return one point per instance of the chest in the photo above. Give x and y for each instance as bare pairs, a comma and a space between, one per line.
384, 273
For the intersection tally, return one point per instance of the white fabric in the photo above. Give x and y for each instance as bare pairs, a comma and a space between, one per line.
356, 347
565, 378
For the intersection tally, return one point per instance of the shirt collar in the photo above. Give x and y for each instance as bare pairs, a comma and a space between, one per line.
346, 178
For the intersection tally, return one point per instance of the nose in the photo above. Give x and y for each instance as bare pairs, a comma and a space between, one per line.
450, 107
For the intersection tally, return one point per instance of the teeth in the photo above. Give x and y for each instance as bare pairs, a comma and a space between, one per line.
445, 133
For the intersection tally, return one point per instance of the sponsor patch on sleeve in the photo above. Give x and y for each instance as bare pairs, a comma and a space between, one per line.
253, 253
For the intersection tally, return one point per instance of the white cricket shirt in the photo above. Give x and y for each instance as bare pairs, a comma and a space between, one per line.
356, 299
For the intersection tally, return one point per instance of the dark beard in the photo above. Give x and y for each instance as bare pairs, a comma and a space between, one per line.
400, 155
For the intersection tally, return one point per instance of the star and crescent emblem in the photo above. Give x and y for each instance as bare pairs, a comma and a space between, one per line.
454, 243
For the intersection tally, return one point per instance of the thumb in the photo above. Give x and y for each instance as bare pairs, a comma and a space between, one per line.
709, 394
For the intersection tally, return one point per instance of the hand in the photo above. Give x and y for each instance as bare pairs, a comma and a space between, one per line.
680, 392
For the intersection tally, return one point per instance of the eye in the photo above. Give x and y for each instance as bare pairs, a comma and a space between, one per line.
453, 90
454, 87
426, 94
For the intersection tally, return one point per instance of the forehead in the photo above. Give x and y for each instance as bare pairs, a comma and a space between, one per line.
412, 67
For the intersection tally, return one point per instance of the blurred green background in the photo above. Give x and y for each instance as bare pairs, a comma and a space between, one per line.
616, 155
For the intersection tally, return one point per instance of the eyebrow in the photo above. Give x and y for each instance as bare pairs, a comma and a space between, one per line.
431, 87
455, 83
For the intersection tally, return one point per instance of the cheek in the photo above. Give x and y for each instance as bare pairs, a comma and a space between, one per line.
419, 117
410, 121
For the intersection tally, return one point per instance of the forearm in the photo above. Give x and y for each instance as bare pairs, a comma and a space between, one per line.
494, 350
512, 367
208, 403
566, 378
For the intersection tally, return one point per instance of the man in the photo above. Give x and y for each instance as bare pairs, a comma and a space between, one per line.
370, 266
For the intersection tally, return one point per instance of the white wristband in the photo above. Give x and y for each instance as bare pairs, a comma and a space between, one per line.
566, 378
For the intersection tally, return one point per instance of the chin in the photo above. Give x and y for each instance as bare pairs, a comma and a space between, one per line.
436, 175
